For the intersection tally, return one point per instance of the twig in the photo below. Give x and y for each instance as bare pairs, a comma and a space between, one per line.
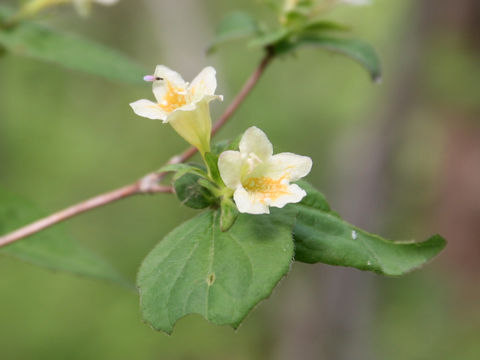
149, 184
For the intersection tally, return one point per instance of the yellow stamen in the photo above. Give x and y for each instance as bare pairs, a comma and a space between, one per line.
173, 99
266, 188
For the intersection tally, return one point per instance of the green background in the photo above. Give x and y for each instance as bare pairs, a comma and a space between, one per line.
65, 136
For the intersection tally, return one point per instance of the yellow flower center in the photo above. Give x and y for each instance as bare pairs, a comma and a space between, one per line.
266, 188
173, 99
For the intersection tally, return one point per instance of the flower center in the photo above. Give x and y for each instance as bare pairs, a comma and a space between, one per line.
266, 188
173, 99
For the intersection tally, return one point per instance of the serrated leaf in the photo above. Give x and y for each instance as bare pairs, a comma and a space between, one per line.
198, 269
355, 49
72, 51
322, 236
236, 25
51, 248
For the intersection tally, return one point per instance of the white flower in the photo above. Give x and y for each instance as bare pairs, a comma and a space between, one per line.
290, 5
356, 2
183, 105
84, 6
259, 178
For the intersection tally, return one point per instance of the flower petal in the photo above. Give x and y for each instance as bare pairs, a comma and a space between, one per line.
83, 7
149, 109
170, 78
204, 83
292, 166
230, 165
193, 124
106, 2
356, 2
255, 141
295, 195
246, 202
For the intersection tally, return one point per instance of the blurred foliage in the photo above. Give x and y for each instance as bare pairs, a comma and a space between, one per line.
53, 248
44, 108
47, 44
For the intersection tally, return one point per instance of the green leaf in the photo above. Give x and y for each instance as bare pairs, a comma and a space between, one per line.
236, 25
325, 25
72, 51
357, 50
228, 213
220, 146
191, 193
224, 145
182, 169
198, 269
51, 248
270, 38
322, 236
212, 163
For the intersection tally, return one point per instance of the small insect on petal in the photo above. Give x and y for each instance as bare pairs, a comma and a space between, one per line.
152, 78
192, 121
149, 78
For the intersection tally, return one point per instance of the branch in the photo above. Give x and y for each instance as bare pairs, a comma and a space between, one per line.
149, 184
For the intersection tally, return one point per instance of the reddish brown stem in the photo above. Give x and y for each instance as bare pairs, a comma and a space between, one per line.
82, 207
242, 95
149, 184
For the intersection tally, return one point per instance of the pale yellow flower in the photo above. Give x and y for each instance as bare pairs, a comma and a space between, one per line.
290, 5
259, 178
84, 6
184, 106
356, 2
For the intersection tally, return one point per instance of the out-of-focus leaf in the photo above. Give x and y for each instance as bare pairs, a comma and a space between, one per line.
322, 236
355, 49
182, 169
325, 25
224, 145
51, 248
234, 26
71, 51
199, 269
270, 38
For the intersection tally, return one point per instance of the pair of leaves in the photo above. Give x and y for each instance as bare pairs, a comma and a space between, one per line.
51, 248
198, 268
287, 40
39, 42
199, 190
189, 182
